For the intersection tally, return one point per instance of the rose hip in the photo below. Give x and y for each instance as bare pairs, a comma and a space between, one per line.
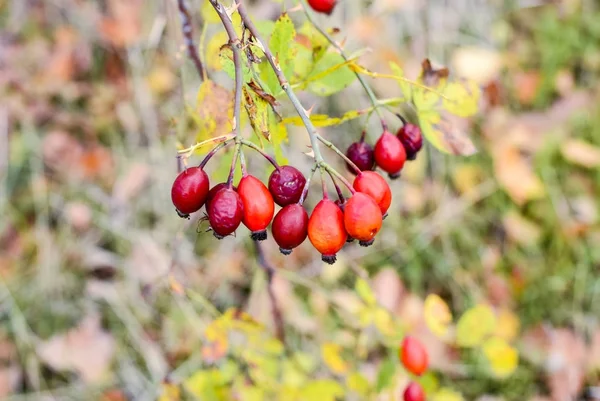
189, 190
290, 227
286, 185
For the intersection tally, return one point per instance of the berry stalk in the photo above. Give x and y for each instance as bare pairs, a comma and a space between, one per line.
307, 185
214, 151
341, 154
340, 177
361, 79
259, 150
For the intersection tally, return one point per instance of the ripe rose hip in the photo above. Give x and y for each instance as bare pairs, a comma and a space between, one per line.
362, 218
390, 154
258, 206
411, 138
342, 205
326, 229
322, 6
414, 392
225, 212
189, 190
413, 356
286, 185
290, 227
361, 154
374, 185
213, 191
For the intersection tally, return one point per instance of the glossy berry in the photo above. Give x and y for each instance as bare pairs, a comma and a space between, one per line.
390, 154
258, 206
322, 6
361, 154
342, 205
290, 227
362, 218
190, 190
414, 392
374, 185
326, 229
213, 191
225, 212
413, 356
286, 185
411, 138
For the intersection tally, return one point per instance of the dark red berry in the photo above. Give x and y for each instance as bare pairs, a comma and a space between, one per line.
361, 154
390, 154
374, 185
286, 185
290, 227
189, 190
411, 138
326, 229
213, 191
414, 392
258, 206
322, 6
362, 218
225, 212
414, 356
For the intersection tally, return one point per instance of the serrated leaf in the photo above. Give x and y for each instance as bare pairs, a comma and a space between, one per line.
437, 315
330, 353
214, 110
503, 358
283, 49
330, 75
358, 383
386, 373
364, 291
258, 113
475, 325
322, 390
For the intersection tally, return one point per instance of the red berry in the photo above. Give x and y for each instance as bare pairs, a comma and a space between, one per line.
362, 218
390, 154
414, 356
326, 229
189, 190
225, 212
411, 138
213, 191
290, 227
374, 185
258, 206
414, 392
286, 185
361, 154
323, 6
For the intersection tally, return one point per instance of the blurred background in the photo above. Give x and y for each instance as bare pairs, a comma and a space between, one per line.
105, 294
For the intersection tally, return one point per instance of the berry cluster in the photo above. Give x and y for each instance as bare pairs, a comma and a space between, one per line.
331, 224
415, 359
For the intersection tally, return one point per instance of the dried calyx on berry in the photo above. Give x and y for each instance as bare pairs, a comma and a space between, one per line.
390, 154
258, 206
411, 138
189, 191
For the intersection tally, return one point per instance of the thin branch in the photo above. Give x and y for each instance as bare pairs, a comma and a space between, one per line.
186, 28
340, 50
312, 132
341, 154
275, 311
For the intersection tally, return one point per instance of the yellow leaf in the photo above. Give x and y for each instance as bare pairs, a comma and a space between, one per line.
358, 383
437, 315
461, 98
446, 394
582, 153
331, 357
169, 392
213, 47
383, 322
214, 113
515, 173
475, 325
507, 325
209, 14
322, 390
323, 120
447, 132
364, 291
503, 358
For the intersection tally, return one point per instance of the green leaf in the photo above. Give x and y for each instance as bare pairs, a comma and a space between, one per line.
279, 136
226, 56
322, 390
258, 112
358, 383
475, 325
363, 289
386, 373
405, 86
283, 49
330, 75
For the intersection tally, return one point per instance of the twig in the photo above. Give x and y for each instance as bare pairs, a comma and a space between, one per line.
186, 28
275, 311
361, 79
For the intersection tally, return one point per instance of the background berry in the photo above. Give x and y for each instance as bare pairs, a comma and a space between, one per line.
390, 154
322, 6
286, 185
414, 356
189, 190
414, 392
411, 138
290, 227
258, 206
225, 212
326, 229
374, 185
361, 154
